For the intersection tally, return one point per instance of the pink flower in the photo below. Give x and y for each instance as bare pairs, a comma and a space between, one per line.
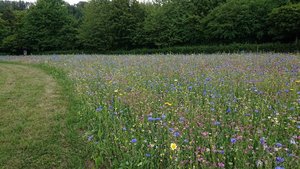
221, 165
204, 133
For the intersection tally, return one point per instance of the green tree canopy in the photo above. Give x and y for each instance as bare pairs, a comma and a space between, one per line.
238, 21
112, 24
48, 26
285, 22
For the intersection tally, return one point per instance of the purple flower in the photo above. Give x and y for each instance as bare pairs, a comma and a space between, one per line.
228, 110
147, 155
171, 129
278, 145
298, 126
233, 140
100, 108
163, 116
279, 159
217, 123
190, 88
176, 134
279, 167
134, 140
262, 141
151, 118
181, 119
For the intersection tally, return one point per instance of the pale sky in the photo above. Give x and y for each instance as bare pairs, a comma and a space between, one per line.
69, 1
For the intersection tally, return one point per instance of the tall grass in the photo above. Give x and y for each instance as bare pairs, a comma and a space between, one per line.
189, 111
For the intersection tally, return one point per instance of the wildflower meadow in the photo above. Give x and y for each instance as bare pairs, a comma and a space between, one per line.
188, 111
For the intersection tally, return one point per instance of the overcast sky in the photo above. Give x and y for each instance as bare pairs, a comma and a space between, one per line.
70, 1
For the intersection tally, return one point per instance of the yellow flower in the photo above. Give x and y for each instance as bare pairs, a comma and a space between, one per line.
168, 104
297, 81
173, 146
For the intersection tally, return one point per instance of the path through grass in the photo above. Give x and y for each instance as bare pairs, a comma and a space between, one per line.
33, 121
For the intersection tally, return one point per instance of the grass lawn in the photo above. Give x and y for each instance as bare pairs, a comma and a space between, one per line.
34, 121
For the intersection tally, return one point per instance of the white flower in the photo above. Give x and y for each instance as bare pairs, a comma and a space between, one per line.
292, 141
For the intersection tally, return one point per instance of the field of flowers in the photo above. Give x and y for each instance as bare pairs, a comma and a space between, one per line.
189, 111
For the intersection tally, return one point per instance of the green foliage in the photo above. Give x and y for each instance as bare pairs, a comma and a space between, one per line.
13, 42
209, 49
285, 22
238, 21
48, 26
93, 33
3, 29
177, 21
118, 25
112, 24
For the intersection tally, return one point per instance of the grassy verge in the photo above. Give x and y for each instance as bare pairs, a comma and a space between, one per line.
38, 124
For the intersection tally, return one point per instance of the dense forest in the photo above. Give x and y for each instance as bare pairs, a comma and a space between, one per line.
108, 25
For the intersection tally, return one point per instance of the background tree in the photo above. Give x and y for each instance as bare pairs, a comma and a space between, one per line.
48, 26
285, 22
239, 21
93, 33
112, 24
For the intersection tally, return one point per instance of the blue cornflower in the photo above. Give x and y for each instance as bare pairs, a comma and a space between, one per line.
228, 110
154, 119
279, 167
279, 159
134, 140
181, 119
157, 119
147, 155
233, 140
176, 134
163, 116
278, 145
151, 119
262, 140
190, 88
100, 108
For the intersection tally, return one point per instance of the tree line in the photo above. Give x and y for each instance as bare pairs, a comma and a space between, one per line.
108, 25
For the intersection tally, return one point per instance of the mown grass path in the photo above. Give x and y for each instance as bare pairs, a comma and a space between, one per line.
33, 122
